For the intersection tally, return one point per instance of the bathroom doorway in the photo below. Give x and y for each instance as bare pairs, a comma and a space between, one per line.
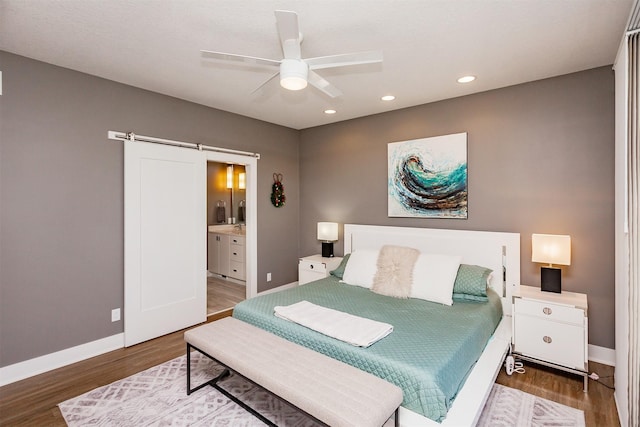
226, 235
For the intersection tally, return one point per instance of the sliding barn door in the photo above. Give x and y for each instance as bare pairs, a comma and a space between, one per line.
165, 231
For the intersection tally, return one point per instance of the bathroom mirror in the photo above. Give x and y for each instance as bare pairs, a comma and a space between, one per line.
226, 193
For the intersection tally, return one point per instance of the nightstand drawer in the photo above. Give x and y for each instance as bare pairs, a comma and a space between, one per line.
550, 311
313, 266
551, 341
316, 267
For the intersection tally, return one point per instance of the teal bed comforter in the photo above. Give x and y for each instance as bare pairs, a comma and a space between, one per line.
429, 353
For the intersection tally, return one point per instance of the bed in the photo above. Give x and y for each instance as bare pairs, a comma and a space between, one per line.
445, 358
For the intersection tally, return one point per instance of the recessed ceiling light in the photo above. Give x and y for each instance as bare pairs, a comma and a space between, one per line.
388, 98
466, 79
329, 111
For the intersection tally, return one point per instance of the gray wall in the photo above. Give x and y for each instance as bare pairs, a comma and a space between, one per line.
541, 160
61, 198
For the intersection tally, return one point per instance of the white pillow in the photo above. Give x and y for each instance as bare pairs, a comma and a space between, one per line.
434, 276
361, 268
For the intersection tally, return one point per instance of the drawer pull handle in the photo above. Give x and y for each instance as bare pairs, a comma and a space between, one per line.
547, 311
311, 266
547, 339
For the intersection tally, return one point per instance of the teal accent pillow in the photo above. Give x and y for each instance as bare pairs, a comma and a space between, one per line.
471, 282
339, 272
466, 297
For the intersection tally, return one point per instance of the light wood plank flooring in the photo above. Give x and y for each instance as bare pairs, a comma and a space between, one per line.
32, 402
223, 294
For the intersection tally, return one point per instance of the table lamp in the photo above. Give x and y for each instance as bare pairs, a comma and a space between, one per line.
328, 233
551, 249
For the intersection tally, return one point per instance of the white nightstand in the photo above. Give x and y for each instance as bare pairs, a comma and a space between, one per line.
316, 267
552, 329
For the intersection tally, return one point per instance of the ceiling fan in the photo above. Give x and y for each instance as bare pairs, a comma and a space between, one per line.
295, 72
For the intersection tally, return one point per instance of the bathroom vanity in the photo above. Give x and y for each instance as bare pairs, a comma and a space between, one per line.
226, 251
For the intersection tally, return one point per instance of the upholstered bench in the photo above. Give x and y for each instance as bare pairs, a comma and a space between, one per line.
328, 390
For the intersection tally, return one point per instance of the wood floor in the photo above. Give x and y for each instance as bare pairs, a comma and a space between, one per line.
32, 402
598, 403
223, 294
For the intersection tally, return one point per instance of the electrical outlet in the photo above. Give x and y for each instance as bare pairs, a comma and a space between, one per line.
268, 277
115, 314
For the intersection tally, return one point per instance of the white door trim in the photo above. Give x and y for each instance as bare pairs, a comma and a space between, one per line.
251, 165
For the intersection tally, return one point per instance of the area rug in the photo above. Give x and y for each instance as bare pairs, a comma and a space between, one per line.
157, 397
510, 407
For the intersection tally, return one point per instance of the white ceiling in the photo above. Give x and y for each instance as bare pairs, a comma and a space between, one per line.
427, 45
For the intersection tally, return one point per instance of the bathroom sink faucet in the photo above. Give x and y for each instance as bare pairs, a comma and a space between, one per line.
238, 226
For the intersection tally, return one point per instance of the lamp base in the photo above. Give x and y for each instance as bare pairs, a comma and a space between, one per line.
550, 280
327, 249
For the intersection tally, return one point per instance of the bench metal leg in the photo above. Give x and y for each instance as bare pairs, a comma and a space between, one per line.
211, 382
214, 383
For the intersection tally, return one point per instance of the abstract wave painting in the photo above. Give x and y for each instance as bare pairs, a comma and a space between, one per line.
428, 177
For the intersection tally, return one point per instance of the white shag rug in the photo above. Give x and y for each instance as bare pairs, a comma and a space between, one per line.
157, 397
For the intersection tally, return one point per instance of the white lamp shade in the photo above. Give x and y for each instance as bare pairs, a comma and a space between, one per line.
328, 231
551, 249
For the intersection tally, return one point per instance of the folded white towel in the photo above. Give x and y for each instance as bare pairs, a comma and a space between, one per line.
346, 327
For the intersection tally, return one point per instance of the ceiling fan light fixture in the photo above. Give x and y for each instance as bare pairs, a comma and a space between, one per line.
293, 74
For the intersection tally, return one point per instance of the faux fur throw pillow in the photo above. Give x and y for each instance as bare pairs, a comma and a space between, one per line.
394, 276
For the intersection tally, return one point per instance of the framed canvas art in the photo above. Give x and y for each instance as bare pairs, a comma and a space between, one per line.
427, 177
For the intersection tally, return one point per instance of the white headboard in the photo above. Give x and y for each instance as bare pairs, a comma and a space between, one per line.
495, 250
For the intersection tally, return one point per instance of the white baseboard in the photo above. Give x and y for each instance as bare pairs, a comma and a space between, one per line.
604, 355
279, 288
48, 362
29, 368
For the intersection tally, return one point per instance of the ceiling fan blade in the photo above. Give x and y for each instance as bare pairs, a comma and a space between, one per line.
287, 22
241, 58
265, 82
344, 60
323, 85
